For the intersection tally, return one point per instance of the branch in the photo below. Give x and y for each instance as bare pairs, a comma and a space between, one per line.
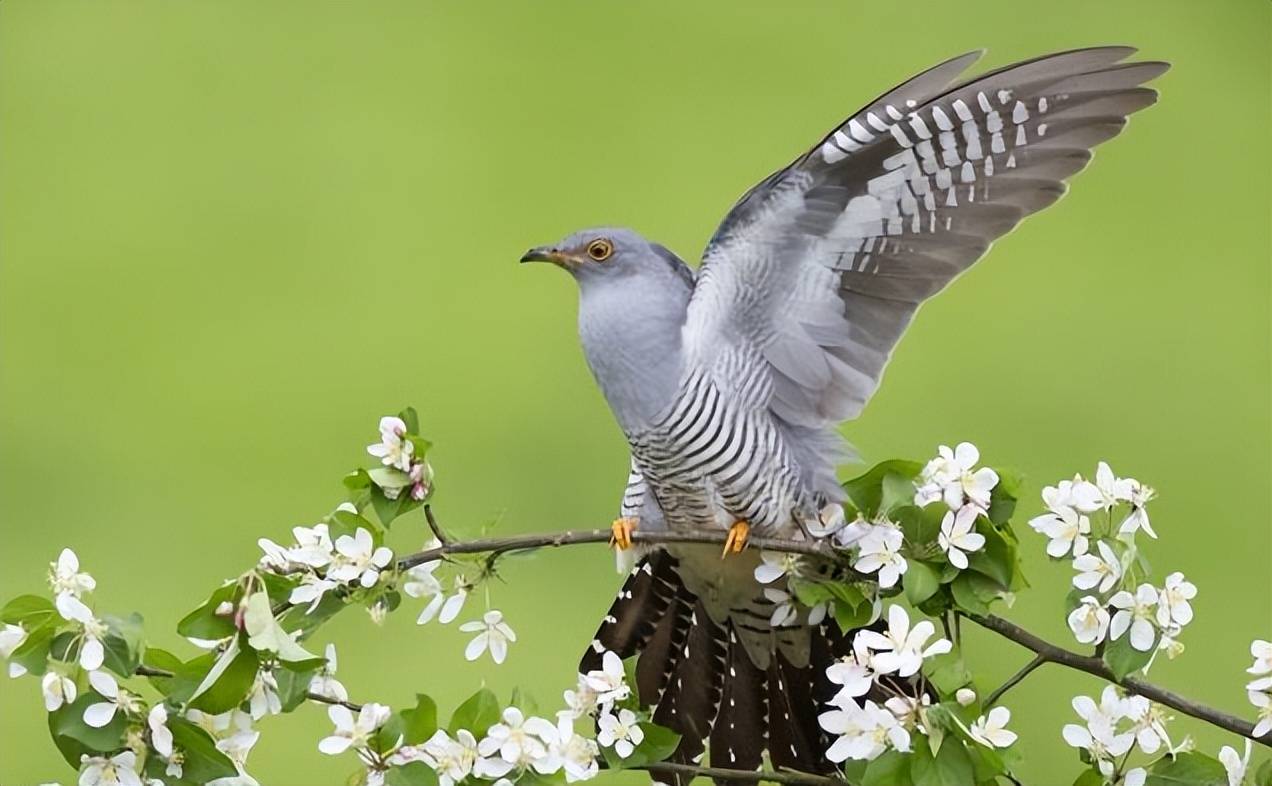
1015, 680
149, 671
1049, 653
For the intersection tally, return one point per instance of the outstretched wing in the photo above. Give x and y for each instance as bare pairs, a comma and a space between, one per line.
814, 275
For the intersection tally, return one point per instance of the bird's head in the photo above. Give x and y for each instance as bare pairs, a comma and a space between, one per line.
600, 254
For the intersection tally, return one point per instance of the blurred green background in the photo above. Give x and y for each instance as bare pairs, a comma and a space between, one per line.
236, 233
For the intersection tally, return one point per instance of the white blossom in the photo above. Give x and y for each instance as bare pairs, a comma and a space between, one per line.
1104, 570
492, 633
1135, 612
1138, 517
901, 648
1233, 764
1135, 776
880, 551
853, 673
965, 697
12, 637
519, 741
1263, 719
453, 759
118, 770
313, 546
446, 609
324, 683
1149, 723
576, 753
863, 732
1089, 621
776, 564
1172, 603
359, 560
1260, 650
101, 713
160, 734
991, 730
1067, 529
263, 699
58, 690
420, 582
830, 519
353, 732
619, 731
784, 611
311, 590
951, 476
1099, 735
393, 449
607, 684
1112, 488
957, 535
65, 577
1078, 494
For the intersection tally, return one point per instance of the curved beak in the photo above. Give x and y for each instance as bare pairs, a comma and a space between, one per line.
546, 254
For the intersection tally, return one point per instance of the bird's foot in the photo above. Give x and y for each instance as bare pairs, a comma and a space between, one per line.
621, 533
736, 541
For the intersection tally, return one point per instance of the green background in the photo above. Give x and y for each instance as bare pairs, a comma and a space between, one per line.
233, 234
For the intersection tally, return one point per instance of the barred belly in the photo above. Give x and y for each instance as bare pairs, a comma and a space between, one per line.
709, 462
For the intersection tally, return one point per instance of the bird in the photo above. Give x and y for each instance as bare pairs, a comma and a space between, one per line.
730, 383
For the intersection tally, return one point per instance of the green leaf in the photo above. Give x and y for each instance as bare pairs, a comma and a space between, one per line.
342, 522
920, 582
412, 420
389, 477
969, 592
300, 618
123, 643
852, 617
1123, 659
948, 767
415, 773
1264, 776
629, 674
947, 673
279, 588
33, 654
227, 682
387, 510
29, 611
477, 714
420, 721
203, 761
659, 743
1089, 778
896, 491
357, 480
156, 658
204, 622
920, 526
293, 686
1002, 500
866, 491
890, 769
997, 559
265, 634
1192, 769
74, 737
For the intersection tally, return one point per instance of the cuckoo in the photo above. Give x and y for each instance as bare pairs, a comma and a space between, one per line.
730, 382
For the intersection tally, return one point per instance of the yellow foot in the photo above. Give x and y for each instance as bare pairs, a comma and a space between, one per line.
736, 541
622, 533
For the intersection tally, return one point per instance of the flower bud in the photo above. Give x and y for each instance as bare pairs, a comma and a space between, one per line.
965, 696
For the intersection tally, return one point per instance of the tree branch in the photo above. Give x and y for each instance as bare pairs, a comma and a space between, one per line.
1050, 653
1014, 680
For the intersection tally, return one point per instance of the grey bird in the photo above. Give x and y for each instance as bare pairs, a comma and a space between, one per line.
730, 383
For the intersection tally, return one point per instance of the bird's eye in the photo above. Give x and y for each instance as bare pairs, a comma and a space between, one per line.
600, 250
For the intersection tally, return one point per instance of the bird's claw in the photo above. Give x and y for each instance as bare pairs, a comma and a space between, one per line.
736, 541
621, 533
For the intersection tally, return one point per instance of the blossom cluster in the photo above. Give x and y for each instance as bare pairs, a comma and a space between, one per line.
397, 451
1260, 688
326, 564
513, 746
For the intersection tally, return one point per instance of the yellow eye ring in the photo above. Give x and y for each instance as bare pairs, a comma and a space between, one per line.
600, 250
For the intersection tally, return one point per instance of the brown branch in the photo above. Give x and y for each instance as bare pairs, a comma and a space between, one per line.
1096, 667
751, 776
438, 532
1015, 680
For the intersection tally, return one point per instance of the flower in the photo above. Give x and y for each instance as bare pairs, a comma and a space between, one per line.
1099, 735
492, 633
1260, 650
965, 697
311, 591
950, 476
1135, 776
445, 609
830, 519
421, 476
774, 565
853, 673
453, 759
864, 732
1076, 493
65, 577
361, 560
621, 732
1172, 603
784, 611
1112, 488
957, 536
880, 551
101, 713
12, 637
1149, 723
313, 546
580, 701
1104, 570
991, 730
576, 753
118, 770
518, 740
1067, 529
324, 683
353, 732
1263, 720
1235, 765
900, 649
1138, 518
609, 683
392, 449
1136, 613
1089, 621
57, 689
263, 699
160, 734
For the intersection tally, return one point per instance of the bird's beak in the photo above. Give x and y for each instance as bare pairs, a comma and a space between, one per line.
547, 254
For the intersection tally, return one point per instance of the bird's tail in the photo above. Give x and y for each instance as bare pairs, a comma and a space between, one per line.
697, 675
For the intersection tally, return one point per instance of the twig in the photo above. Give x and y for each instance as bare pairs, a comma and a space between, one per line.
751, 776
438, 533
1015, 679
150, 671
1094, 666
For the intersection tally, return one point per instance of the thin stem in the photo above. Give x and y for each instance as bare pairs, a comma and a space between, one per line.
750, 776
438, 532
1014, 680
1094, 666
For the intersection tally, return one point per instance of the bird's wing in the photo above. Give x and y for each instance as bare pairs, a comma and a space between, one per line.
816, 272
